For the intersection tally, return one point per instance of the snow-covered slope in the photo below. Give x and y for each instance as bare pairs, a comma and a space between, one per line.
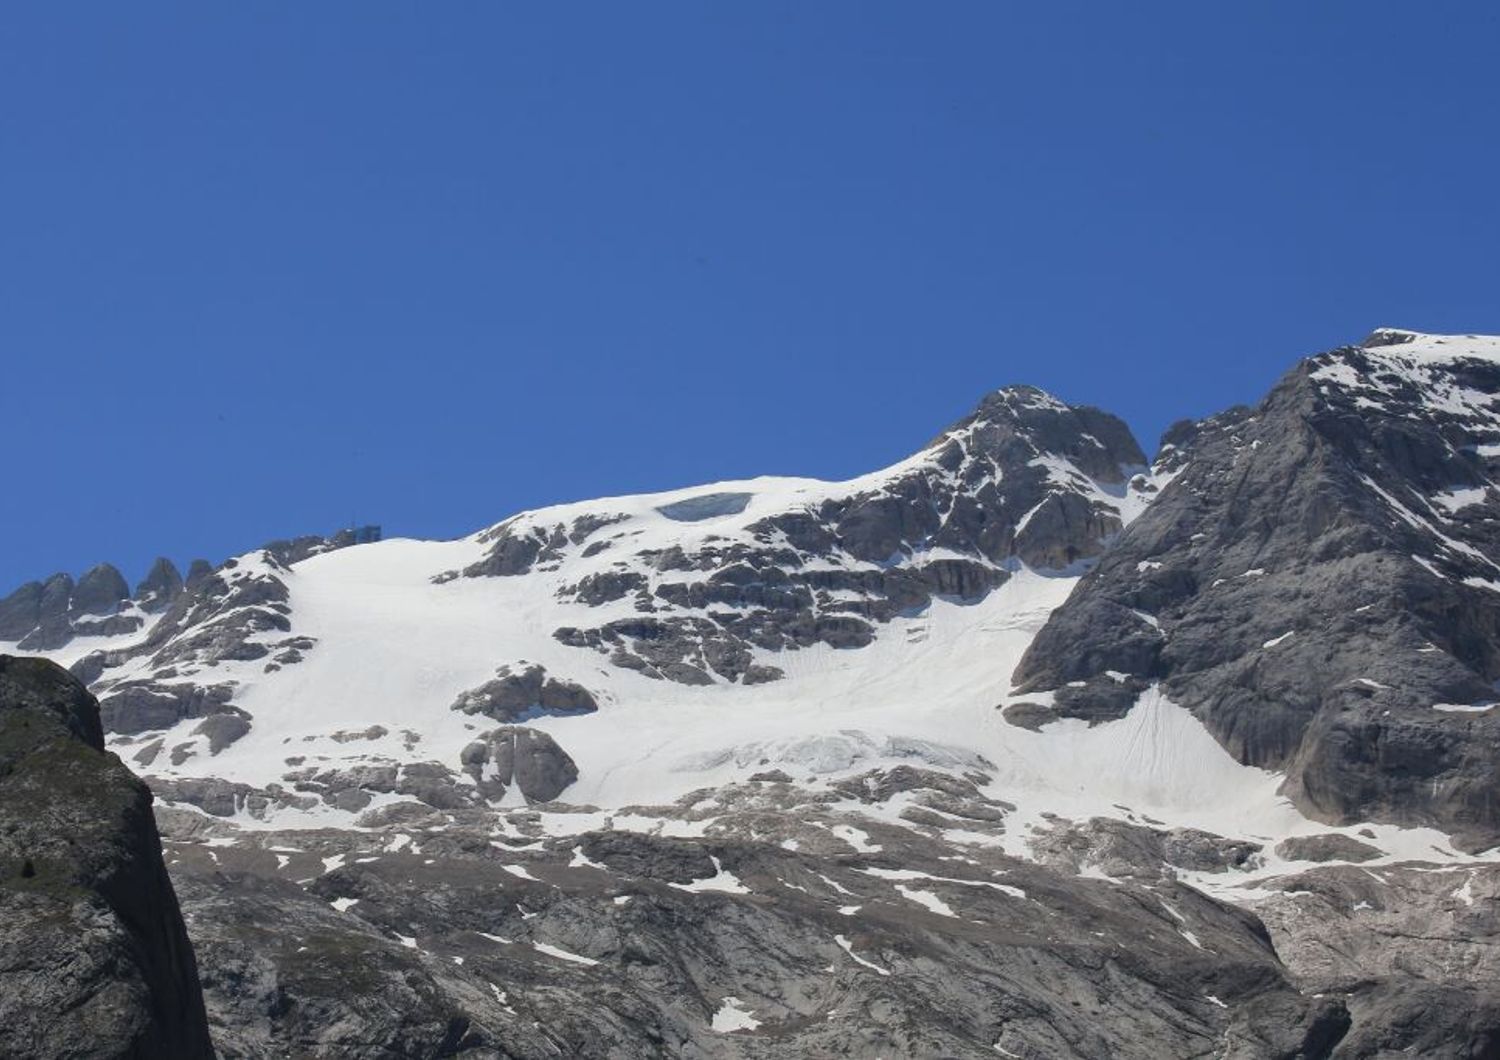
705, 633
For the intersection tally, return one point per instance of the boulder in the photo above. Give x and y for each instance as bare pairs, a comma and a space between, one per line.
525, 692
527, 758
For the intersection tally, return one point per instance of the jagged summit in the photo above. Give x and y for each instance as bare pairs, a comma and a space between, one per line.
1098, 443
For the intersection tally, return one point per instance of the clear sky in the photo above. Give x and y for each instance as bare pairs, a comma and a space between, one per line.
267, 268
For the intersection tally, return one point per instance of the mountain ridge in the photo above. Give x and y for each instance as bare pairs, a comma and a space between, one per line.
1017, 745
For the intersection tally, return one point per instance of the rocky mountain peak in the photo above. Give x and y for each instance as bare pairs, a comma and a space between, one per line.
1321, 577
161, 585
775, 565
1019, 423
100, 591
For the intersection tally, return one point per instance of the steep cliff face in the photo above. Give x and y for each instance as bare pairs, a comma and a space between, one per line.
94, 956
1320, 584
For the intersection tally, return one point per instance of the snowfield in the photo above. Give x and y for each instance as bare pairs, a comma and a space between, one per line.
394, 650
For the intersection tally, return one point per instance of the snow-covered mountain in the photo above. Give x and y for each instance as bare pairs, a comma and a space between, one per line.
664, 641
937, 704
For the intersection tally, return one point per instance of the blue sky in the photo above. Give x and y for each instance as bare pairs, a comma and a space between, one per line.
265, 269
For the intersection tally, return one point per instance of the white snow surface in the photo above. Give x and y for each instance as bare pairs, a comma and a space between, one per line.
733, 1016
562, 954
393, 649
1441, 348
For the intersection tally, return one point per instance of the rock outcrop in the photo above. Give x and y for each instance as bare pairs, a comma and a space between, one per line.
531, 760
523, 692
44, 616
94, 955
162, 584
1414, 948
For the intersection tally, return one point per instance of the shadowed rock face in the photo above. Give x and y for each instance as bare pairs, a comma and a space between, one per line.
162, 584
36, 614
1319, 575
100, 591
94, 957
43, 616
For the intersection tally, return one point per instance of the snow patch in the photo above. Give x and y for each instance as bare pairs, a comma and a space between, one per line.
722, 880
733, 1016
562, 954
848, 948
927, 900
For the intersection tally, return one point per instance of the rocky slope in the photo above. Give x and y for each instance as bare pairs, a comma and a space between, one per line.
769, 934
94, 958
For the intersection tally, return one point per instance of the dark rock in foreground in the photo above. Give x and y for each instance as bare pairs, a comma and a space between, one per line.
94, 956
